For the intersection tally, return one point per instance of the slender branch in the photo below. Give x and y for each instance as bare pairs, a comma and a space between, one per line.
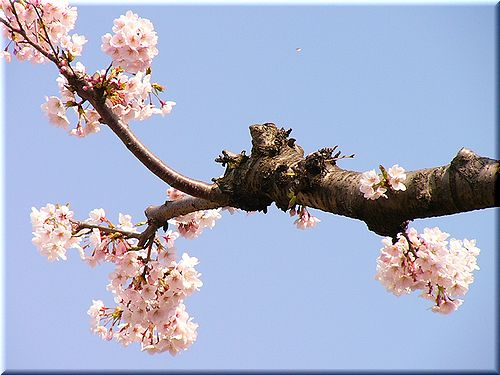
175, 179
82, 225
45, 31
171, 209
21, 32
186, 184
183, 183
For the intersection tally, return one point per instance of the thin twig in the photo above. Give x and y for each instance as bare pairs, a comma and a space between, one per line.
28, 40
82, 225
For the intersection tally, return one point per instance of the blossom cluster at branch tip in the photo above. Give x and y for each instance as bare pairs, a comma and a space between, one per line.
148, 284
46, 23
150, 308
442, 270
149, 288
133, 45
128, 96
53, 230
127, 87
374, 186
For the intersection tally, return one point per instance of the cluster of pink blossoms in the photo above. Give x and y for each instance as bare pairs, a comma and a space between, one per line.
149, 285
149, 297
128, 96
46, 23
133, 45
192, 225
427, 262
53, 231
128, 88
374, 186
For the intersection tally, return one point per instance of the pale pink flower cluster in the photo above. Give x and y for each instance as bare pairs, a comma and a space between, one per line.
305, 219
128, 96
58, 18
132, 47
130, 100
192, 225
53, 230
396, 176
374, 186
133, 44
427, 262
55, 110
106, 247
149, 285
150, 300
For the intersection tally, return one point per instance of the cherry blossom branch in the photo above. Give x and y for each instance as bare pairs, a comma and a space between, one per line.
158, 215
108, 230
175, 179
47, 37
79, 83
36, 46
467, 183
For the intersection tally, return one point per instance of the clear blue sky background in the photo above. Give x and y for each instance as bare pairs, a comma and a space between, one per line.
402, 84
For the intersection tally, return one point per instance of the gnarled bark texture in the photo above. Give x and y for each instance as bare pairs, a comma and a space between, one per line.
277, 171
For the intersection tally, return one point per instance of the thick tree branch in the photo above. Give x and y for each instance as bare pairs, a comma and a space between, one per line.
276, 170
466, 184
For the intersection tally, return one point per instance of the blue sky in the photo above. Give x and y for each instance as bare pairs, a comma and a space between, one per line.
400, 84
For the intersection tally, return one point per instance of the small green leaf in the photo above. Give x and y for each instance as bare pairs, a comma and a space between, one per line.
70, 104
292, 199
384, 172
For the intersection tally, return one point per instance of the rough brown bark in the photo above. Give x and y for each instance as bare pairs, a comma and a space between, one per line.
277, 168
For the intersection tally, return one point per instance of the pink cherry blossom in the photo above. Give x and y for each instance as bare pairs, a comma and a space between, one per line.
167, 107
55, 111
149, 285
170, 237
96, 216
52, 231
369, 185
374, 186
6, 55
427, 263
396, 176
57, 20
133, 45
190, 226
